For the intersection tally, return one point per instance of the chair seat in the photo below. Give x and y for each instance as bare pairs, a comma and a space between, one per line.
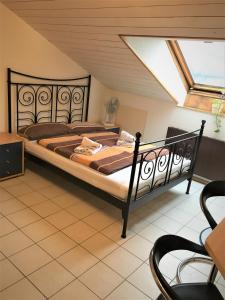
196, 291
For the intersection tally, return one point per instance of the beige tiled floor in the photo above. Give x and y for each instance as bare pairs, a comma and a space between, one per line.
58, 241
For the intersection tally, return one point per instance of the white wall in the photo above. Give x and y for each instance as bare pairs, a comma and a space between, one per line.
26, 51
161, 114
155, 54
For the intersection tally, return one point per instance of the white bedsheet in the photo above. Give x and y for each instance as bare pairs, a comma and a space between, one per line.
116, 184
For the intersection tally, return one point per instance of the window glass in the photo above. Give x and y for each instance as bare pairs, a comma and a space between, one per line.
205, 60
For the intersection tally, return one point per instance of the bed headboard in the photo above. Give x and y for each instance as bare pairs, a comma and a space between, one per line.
33, 99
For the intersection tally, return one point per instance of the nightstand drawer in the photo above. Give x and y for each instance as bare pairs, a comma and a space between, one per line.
7, 170
10, 151
11, 159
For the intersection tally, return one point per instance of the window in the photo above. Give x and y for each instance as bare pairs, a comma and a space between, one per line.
202, 64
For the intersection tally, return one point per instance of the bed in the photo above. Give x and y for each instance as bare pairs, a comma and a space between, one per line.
152, 167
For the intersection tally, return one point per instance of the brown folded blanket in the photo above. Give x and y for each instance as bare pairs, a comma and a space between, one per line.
106, 138
107, 161
113, 163
62, 145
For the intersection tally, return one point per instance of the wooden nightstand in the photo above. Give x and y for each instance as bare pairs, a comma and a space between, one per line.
11, 156
115, 128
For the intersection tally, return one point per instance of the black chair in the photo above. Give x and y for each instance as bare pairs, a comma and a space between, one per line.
183, 291
212, 189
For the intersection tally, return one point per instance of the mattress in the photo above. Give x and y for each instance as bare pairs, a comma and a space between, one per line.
116, 184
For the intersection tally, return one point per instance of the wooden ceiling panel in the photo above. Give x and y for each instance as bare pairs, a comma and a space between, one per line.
217, 10
89, 32
184, 31
171, 22
91, 4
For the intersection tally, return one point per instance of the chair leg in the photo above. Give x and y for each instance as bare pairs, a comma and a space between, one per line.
189, 185
212, 275
186, 262
125, 213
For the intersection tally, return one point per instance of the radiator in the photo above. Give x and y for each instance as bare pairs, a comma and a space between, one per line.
211, 157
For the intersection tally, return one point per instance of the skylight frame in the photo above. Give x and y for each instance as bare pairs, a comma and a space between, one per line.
191, 86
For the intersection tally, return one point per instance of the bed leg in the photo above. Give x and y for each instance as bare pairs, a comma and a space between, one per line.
125, 214
189, 185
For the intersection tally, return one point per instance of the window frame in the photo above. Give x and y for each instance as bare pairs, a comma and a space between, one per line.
190, 85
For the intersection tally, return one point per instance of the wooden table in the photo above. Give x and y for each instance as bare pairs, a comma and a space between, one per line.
215, 245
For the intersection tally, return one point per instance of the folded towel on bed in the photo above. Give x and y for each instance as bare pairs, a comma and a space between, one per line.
126, 136
125, 144
88, 147
126, 139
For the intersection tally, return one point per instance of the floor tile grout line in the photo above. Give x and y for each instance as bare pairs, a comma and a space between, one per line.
13, 211
66, 210
173, 219
82, 241
96, 233
6, 180
3, 201
4, 257
55, 204
76, 279
60, 208
88, 288
36, 243
184, 225
51, 200
55, 259
110, 269
86, 250
1, 236
52, 259
24, 277
19, 194
126, 280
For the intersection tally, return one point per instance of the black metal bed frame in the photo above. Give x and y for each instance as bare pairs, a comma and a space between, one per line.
59, 101
47, 100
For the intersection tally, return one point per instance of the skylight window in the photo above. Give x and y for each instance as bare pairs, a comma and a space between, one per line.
202, 64
192, 71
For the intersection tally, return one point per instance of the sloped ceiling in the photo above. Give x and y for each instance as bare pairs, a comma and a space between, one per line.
88, 31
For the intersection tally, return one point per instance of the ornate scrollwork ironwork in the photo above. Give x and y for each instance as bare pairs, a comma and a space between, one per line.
157, 165
34, 103
44, 95
78, 95
71, 103
154, 160
163, 161
189, 150
148, 165
41, 99
64, 95
26, 95
147, 170
178, 153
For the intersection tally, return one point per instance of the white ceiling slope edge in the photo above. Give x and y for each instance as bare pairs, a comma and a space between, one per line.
88, 31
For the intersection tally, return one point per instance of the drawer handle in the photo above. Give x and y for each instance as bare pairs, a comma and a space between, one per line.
7, 161
7, 172
7, 150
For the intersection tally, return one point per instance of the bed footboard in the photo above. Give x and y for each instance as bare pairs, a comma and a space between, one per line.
160, 165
